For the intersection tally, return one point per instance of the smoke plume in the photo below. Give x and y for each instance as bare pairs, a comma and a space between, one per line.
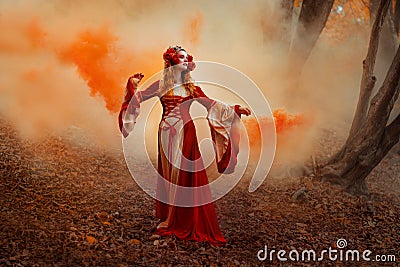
65, 63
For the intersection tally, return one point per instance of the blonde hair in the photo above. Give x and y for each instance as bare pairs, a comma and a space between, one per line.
167, 83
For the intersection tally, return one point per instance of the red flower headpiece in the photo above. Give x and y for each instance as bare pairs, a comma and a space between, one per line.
171, 57
191, 64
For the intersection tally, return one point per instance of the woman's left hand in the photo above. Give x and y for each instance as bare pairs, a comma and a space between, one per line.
244, 110
136, 78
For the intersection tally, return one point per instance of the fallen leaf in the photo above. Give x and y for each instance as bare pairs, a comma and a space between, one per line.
133, 241
154, 237
90, 239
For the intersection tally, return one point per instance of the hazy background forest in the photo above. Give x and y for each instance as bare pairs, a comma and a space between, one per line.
69, 198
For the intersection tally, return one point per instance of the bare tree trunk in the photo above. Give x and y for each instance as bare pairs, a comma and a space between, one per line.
368, 80
396, 17
370, 138
388, 41
286, 35
312, 20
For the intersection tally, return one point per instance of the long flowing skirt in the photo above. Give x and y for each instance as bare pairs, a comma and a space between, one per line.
197, 223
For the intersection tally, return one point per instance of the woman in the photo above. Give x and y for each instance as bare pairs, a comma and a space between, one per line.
179, 158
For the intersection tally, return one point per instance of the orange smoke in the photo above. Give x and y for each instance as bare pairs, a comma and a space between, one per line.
102, 65
50, 68
35, 33
284, 122
192, 29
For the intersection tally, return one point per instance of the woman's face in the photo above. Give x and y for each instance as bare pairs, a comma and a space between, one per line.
182, 61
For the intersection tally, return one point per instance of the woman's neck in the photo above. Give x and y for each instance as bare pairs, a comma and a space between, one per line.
178, 78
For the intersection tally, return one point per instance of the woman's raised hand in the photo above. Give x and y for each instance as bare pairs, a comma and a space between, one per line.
136, 78
245, 111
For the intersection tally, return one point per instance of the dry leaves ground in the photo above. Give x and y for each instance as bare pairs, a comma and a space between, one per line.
64, 204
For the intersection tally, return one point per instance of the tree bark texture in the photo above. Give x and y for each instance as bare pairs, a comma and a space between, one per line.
371, 137
311, 22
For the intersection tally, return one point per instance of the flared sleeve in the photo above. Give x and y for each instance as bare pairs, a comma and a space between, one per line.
224, 122
130, 108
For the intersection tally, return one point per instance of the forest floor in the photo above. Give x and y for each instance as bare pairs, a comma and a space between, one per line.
64, 204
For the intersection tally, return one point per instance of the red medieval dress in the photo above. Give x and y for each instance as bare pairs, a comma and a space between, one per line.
197, 223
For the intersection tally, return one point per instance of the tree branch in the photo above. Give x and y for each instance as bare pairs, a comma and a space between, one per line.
383, 102
368, 80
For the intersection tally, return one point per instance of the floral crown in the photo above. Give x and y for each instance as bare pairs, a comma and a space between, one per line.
171, 57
